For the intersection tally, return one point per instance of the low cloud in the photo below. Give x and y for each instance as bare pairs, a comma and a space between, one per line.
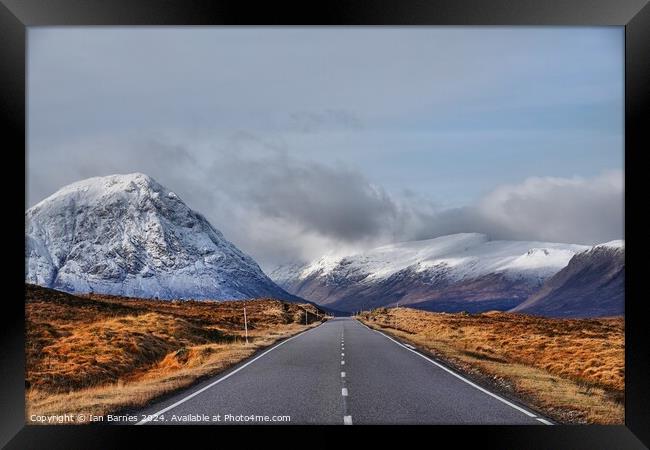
288, 209
335, 201
577, 210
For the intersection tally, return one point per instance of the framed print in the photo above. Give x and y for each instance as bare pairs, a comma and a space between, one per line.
355, 218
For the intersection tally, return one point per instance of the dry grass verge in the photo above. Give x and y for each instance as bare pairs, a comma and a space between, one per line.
101, 354
573, 370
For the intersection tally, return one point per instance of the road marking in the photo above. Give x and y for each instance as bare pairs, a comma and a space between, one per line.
529, 414
150, 417
544, 421
347, 419
410, 346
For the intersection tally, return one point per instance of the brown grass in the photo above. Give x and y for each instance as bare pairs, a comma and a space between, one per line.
101, 354
571, 369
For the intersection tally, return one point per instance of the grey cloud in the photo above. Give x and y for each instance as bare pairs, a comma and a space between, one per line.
341, 207
334, 201
572, 210
577, 210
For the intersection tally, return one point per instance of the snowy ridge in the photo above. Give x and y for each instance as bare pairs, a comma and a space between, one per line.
618, 244
459, 272
129, 235
460, 256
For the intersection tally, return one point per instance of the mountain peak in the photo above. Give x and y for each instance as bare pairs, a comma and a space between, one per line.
104, 186
129, 235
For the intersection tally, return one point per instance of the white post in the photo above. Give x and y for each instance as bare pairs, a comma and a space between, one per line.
246, 325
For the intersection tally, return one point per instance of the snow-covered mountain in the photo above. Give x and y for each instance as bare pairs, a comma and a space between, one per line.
591, 285
458, 272
128, 235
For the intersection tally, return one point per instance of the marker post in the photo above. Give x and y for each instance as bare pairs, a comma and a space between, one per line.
246, 325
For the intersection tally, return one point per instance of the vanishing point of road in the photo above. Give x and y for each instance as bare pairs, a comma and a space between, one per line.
340, 372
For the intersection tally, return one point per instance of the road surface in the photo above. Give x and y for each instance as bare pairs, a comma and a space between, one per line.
340, 372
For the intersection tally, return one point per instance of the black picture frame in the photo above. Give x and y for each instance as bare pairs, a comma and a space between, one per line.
16, 15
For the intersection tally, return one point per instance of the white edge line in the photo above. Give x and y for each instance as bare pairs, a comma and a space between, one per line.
150, 417
544, 421
528, 413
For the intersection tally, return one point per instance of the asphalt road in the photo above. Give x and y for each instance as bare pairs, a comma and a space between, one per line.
339, 373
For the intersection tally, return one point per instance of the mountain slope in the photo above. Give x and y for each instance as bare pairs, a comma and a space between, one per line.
591, 285
452, 273
128, 235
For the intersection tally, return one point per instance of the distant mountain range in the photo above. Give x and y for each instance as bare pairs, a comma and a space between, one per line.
128, 235
461, 272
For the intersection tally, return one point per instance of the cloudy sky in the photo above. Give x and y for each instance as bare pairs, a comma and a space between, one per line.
297, 142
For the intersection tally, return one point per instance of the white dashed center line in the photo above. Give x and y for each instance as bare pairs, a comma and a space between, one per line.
347, 418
